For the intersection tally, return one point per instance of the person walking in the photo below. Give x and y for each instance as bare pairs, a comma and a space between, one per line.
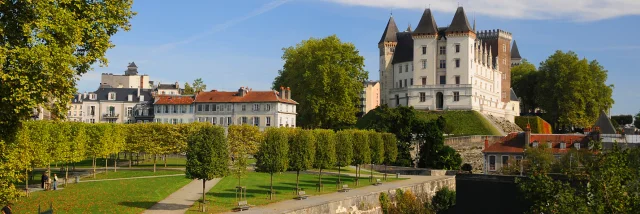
45, 179
55, 181
7, 209
42, 180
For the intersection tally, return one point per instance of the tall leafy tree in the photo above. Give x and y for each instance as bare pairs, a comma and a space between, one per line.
188, 90
273, 153
524, 80
46, 45
390, 150
622, 119
361, 151
344, 149
198, 85
243, 141
323, 72
325, 151
574, 89
433, 153
207, 155
302, 150
376, 143
78, 145
636, 122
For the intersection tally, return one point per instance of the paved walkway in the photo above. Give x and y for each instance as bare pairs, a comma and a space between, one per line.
180, 201
290, 205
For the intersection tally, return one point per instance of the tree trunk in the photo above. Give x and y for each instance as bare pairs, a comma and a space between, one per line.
385, 171
115, 163
339, 182
74, 166
320, 180
94, 166
271, 192
297, 181
371, 178
165, 161
66, 175
155, 158
26, 184
203, 193
106, 166
130, 158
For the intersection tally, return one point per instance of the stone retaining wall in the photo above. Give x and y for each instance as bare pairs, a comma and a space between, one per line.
370, 203
470, 148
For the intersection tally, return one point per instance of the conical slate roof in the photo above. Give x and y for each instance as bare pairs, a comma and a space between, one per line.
390, 32
515, 54
459, 22
605, 124
132, 64
427, 24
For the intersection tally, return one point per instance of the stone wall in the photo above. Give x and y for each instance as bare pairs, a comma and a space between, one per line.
470, 148
370, 203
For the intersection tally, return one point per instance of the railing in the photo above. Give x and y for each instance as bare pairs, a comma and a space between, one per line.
441, 86
111, 115
620, 138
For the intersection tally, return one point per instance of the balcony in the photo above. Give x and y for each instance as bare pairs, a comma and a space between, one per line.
111, 116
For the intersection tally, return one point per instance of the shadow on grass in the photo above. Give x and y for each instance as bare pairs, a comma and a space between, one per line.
149, 205
138, 204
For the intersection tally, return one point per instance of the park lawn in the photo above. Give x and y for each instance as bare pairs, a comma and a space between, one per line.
222, 197
122, 196
133, 173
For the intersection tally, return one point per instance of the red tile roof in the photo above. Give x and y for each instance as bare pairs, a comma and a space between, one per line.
174, 100
514, 142
234, 97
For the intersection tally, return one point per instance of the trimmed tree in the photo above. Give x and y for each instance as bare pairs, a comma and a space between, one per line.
302, 150
376, 143
361, 151
243, 141
325, 151
344, 150
390, 150
272, 156
207, 155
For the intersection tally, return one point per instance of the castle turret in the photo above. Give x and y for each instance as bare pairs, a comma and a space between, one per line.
460, 23
516, 59
387, 47
425, 41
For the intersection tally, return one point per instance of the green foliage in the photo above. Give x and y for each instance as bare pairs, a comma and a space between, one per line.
361, 149
524, 80
443, 200
574, 89
325, 149
636, 121
407, 203
46, 45
537, 124
539, 159
244, 140
302, 150
207, 153
321, 73
433, 153
273, 153
622, 119
385, 202
390, 148
344, 147
376, 143
198, 86
188, 90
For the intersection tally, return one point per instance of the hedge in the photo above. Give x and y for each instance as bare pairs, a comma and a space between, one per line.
538, 125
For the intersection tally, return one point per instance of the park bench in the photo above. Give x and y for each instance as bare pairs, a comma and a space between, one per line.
302, 195
242, 205
378, 182
345, 188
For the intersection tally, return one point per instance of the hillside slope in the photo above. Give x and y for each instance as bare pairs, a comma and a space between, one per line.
463, 122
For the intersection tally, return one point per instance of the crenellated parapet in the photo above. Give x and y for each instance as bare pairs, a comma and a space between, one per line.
493, 34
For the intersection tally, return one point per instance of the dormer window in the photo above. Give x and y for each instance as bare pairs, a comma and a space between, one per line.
576, 144
112, 95
535, 144
563, 145
92, 96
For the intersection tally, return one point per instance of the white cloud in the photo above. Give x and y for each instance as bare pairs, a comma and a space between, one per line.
575, 10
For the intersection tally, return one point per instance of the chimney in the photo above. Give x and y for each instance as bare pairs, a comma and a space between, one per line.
79, 97
527, 135
138, 91
177, 85
282, 92
288, 93
130, 97
241, 92
486, 142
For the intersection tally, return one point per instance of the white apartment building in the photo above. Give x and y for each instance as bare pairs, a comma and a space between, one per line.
245, 106
111, 105
447, 68
174, 109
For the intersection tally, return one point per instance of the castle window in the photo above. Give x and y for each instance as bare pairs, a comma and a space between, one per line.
424, 50
458, 80
424, 81
423, 97
457, 63
443, 63
406, 68
443, 80
405, 83
456, 96
397, 100
457, 48
443, 50
424, 64
504, 48
400, 86
411, 81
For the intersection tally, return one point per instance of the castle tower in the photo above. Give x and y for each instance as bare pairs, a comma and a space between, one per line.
425, 43
516, 59
387, 46
500, 43
461, 36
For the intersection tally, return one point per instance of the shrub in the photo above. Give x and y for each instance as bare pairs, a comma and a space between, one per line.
443, 200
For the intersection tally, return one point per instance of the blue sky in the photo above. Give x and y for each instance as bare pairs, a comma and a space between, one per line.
239, 43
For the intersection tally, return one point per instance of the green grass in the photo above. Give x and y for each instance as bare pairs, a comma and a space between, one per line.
463, 122
123, 196
132, 173
222, 197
